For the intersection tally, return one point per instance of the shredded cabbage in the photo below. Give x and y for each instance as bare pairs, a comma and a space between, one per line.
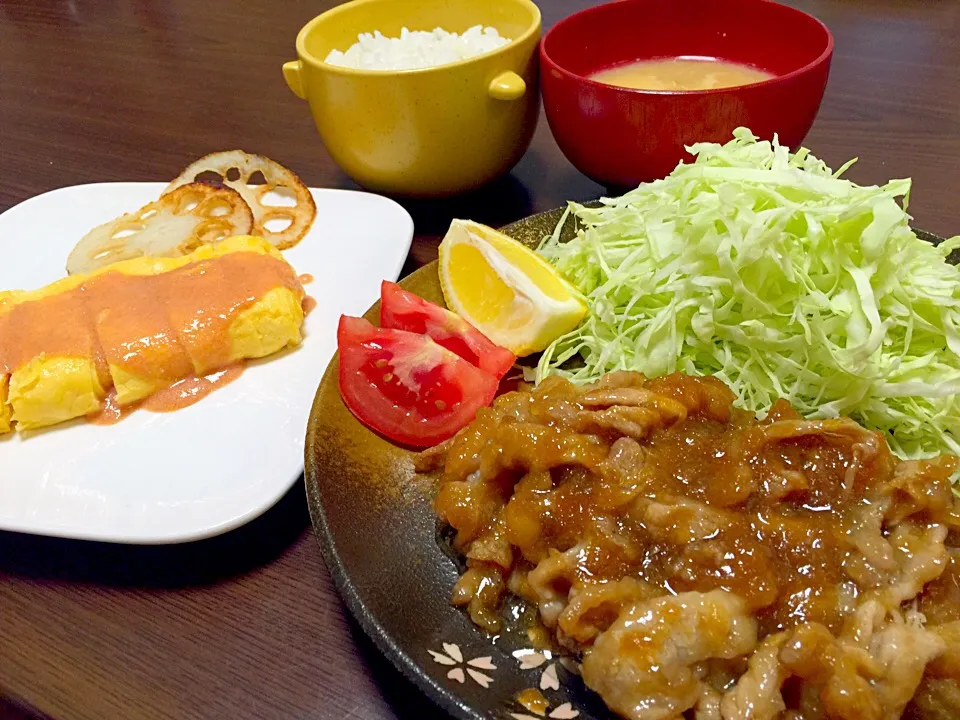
768, 270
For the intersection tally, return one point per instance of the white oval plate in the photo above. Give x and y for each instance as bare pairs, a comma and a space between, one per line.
173, 477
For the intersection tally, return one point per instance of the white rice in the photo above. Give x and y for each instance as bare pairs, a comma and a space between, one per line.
416, 49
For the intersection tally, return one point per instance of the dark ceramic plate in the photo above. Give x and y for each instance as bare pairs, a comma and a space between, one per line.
380, 539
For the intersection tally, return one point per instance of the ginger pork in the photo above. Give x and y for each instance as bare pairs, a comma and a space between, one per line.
133, 328
701, 563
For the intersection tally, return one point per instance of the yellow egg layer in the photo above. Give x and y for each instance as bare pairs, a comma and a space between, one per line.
51, 388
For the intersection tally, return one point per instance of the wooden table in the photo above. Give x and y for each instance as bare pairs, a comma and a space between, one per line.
248, 625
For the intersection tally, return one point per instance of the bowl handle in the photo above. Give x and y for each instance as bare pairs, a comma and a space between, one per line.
291, 73
506, 86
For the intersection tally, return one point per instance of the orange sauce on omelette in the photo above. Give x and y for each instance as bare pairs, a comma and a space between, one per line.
190, 390
168, 326
111, 412
182, 393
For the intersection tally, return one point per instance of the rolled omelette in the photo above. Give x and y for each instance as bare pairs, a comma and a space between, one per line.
138, 326
6, 413
6, 419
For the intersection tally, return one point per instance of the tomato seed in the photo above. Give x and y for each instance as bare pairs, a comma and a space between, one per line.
441, 405
388, 377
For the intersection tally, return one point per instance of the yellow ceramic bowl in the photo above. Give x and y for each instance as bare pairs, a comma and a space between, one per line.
436, 131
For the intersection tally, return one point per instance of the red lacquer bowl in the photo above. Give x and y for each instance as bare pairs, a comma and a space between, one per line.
622, 137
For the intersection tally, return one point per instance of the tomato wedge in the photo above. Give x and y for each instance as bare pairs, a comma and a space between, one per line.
405, 386
405, 311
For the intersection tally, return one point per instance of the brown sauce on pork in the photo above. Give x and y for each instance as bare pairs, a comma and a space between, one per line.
699, 559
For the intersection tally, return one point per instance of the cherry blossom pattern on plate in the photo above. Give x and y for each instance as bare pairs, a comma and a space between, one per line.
460, 670
531, 659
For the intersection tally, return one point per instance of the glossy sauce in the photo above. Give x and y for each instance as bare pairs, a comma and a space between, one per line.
681, 73
180, 394
149, 325
533, 700
112, 412
309, 304
644, 519
786, 562
59, 325
162, 327
306, 279
716, 501
190, 390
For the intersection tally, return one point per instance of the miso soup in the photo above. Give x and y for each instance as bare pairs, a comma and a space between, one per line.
681, 73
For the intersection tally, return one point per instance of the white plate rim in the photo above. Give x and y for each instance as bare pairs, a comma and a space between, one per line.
279, 489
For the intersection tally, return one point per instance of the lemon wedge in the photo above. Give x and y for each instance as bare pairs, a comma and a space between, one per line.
505, 290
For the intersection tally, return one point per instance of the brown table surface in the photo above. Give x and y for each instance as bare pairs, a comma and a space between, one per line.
248, 625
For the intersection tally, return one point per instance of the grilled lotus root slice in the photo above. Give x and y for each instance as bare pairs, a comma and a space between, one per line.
236, 168
177, 224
